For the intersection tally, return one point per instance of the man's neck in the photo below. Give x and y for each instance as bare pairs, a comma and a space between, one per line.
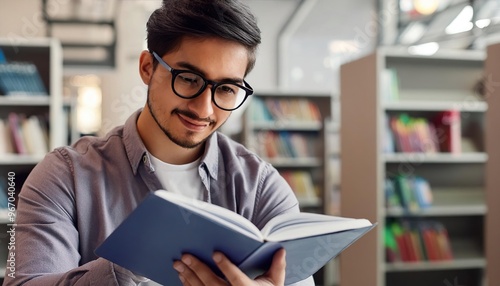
160, 146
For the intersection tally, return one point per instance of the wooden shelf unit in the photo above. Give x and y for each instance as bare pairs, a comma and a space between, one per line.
427, 85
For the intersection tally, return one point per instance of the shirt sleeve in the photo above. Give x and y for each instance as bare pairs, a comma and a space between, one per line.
276, 197
46, 241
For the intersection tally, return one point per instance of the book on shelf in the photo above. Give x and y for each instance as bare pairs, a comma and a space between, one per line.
17, 136
390, 85
259, 111
166, 225
412, 193
448, 125
286, 144
301, 183
24, 135
389, 145
414, 241
3, 193
6, 146
292, 110
20, 78
438, 133
2, 57
413, 134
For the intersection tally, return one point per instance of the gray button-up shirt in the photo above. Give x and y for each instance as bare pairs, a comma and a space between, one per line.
76, 196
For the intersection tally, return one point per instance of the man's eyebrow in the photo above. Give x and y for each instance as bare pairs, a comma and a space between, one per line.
190, 67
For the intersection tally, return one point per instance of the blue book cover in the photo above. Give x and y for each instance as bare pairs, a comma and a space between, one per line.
166, 225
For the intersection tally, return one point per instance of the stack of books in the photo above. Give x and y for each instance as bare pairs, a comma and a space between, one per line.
412, 193
20, 79
294, 110
440, 132
284, 144
24, 135
416, 241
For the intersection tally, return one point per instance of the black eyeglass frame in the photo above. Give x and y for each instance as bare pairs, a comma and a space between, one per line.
247, 88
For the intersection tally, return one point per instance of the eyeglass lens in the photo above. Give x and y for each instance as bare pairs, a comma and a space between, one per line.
226, 95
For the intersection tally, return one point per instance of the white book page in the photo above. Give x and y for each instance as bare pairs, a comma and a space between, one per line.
299, 225
215, 213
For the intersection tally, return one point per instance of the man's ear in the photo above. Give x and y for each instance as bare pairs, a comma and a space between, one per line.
146, 66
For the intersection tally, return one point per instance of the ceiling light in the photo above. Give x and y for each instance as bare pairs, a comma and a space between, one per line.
427, 49
483, 23
413, 32
426, 7
462, 22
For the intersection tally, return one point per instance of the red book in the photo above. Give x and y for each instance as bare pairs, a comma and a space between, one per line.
448, 127
444, 243
403, 249
430, 243
15, 120
410, 245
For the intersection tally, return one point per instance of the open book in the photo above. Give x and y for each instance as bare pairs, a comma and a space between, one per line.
166, 225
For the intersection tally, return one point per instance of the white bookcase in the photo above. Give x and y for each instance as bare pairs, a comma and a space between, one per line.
46, 55
427, 85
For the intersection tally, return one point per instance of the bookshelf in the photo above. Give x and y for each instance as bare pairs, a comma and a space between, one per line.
45, 55
377, 109
282, 129
286, 129
492, 143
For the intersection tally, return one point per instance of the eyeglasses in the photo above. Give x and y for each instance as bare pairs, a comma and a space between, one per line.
226, 95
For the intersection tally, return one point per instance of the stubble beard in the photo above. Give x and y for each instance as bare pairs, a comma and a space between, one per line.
184, 143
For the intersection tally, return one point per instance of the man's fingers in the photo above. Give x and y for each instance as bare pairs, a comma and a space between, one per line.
277, 270
196, 273
186, 275
232, 273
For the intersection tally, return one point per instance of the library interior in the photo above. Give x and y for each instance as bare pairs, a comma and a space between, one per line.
384, 110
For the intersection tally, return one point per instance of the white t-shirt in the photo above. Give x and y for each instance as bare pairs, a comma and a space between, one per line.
181, 179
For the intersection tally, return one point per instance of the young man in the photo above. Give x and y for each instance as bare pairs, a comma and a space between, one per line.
199, 54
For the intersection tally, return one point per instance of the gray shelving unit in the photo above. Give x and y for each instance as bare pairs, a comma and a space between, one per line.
427, 85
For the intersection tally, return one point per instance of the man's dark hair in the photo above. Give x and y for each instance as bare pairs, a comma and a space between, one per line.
228, 19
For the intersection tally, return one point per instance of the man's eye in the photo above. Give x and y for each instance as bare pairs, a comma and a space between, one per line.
189, 79
227, 89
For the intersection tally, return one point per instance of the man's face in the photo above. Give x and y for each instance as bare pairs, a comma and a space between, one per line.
188, 122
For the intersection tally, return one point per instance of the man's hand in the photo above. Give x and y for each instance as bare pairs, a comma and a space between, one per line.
193, 272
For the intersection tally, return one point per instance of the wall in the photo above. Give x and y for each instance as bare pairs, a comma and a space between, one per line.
123, 92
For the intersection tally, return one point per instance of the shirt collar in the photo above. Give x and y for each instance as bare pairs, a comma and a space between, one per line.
210, 157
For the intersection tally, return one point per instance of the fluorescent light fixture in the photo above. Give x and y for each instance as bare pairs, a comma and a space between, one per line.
427, 49
461, 23
413, 32
483, 23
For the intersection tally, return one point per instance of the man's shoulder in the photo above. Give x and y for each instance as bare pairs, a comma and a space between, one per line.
81, 147
229, 146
